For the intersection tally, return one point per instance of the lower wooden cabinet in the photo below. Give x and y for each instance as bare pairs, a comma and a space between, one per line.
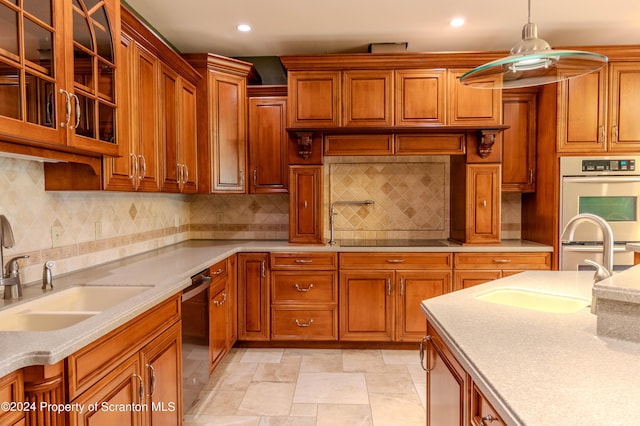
253, 296
223, 328
452, 396
12, 391
472, 268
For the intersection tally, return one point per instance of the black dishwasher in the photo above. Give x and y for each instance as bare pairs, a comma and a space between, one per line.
195, 309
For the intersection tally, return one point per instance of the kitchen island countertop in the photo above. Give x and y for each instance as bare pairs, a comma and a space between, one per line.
541, 368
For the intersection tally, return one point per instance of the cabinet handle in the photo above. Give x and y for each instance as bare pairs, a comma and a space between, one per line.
304, 260
78, 112
144, 166
602, 134
185, 174
615, 134
134, 165
395, 260
141, 388
530, 175
402, 287
263, 269
304, 324
423, 343
303, 290
152, 379
501, 260
67, 102
179, 172
219, 303
487, 419
242, 177
255, 178
388, 286
305, 204
218, 272
484, 204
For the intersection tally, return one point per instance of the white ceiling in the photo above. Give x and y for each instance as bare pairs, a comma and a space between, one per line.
348, 26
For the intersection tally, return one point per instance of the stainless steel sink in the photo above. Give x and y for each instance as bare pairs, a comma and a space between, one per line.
534, 300
65, 308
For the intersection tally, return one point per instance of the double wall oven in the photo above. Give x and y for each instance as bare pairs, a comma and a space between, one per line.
609, 187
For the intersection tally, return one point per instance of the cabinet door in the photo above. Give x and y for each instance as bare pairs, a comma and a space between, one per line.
466, 279
168, 108
232, 300
305, 204
12, 390
228, 121
123, 385
367, 98
413, 288
188, 136
217, 325
519, 141
446, 385
268, 145
483, 203
161, 361
420, 97
253, 296
366, 305
314, 98
469, 106
582, 113
624, 93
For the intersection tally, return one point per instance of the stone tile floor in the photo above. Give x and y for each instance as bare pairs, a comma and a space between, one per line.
304, 387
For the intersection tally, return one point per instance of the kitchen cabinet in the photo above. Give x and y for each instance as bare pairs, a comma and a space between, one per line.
253, 297
395, 144
219, 332
12, 390
420, 97
519, 112
314, 99
222, 122
481, 411
268, 145
304, 296
305, 204
598, 112
138, 363
475, 202
232, 301
472, 268
469, 106
59, 75
178, 132
380, 293
367, 98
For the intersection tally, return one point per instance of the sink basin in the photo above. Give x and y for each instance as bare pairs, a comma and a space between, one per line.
537, 301
65, 308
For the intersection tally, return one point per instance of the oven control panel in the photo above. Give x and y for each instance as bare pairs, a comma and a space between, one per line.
618, 165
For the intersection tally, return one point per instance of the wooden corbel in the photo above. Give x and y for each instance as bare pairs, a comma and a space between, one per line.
486, 139
305, 140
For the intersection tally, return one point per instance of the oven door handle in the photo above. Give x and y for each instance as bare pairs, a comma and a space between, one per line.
601, 179
590, 248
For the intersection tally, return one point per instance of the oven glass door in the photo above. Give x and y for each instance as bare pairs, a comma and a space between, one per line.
613, 198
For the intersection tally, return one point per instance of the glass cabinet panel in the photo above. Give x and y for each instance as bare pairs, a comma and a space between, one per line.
9, 37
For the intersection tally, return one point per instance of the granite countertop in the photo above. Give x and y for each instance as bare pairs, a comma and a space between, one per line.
166, 271
539, 368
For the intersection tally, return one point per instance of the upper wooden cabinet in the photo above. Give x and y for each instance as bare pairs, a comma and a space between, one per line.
469, 106
305, 204
598, 112
367, 98
59, 73
420, 97
519, 112
268, 144
314, 98
222, 122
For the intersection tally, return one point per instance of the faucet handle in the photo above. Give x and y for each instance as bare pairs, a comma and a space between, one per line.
601, 272
13, 268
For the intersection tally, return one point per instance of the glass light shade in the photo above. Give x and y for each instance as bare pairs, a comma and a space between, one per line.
533, 62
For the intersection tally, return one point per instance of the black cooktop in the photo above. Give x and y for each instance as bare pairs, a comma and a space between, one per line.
392, 243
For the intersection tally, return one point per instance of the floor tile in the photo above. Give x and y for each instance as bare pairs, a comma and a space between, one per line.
362, 360
331, 388
262, 355
283, 372
267, 399
393, 410
344, 415
321, 363
389, 383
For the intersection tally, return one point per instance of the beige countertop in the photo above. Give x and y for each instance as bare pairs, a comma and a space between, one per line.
540, 368
166, 271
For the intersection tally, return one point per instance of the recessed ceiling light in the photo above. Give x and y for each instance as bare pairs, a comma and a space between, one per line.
244, 28
457, 22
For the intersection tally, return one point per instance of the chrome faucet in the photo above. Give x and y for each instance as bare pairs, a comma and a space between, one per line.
333, 212
602, 271
11, 274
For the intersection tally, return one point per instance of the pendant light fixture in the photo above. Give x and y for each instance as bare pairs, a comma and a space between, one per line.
532, 62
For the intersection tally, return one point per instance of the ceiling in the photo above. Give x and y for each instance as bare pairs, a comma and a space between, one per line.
349, 26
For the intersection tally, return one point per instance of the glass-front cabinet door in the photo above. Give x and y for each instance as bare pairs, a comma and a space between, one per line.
58, 73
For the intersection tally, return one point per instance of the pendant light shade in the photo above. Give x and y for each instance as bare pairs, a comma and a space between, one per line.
532, 62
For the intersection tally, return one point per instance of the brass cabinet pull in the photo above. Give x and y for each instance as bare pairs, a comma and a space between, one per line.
501, 260
303, 290
484, 204
263, 269
304, 260
602, 134
388, 286
219, 303
255, 178
615, 134
78, 112
152, 379
179, 172
395, 260
530, 176
304, 324
67, 104
402, 287
141, 388
423, 343
305, 204
218, 272
143, 161
185, 174
133, 168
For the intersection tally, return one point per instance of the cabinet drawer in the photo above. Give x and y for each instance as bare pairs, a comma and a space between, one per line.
96, 360
432, 144
395, 260
358, 145
521, 261
220, 269
482, 413
294, 287
308, 323
297, 261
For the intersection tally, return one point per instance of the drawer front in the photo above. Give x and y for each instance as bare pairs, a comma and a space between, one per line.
310, 261
395, 260
508, 261
482, 413
219, 269
308, 323
96, 360
294, 287
432, 144
358, 145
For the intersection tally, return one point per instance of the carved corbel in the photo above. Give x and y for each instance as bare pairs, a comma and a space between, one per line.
486, 139
305, 141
